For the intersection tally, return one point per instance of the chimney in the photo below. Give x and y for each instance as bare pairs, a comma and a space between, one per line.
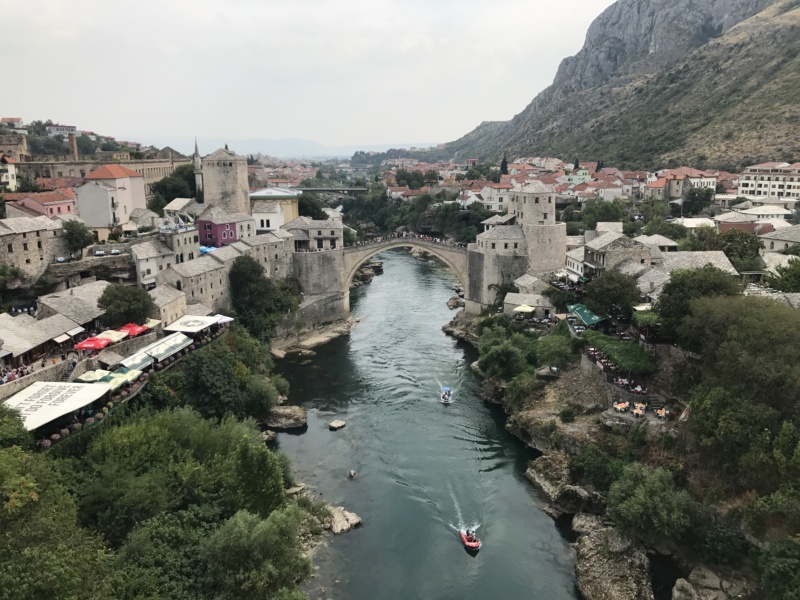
73, 146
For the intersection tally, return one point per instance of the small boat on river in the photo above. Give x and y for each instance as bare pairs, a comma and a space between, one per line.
446, 396
470, 540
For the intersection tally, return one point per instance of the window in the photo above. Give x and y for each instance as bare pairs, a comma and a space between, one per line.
208, 236
333, 233
505, 246
276, 257
515, 245
267, 222
39, 244
27, 261
148, 271
536, 200
25, 247
227, 225
224, 235
11, 248
38, 234
492, 245
319, 233
208, 226
545, 216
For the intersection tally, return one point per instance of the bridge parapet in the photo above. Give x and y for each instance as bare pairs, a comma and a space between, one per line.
400, 241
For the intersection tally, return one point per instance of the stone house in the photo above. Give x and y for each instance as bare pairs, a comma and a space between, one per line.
203, 281
611, 249
31, 244
170, 303
151, 257
272, 251
311, 236
274, 207
77, 303
780, 239
542, 305
663, 243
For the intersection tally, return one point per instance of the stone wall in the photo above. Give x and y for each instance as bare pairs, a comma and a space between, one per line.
49, 373
547, 247
120, 266
315, 311
319, 272
489, 268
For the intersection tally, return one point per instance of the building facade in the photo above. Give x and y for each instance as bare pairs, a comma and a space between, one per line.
778, 179
108, 197
30, 244
222, 180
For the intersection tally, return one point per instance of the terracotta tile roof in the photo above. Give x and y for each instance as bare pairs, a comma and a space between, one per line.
65, 195
50, 183
112, 172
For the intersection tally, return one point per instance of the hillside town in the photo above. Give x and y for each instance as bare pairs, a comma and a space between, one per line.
528, 239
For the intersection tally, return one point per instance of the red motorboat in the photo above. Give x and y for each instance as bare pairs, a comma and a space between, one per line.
470, 540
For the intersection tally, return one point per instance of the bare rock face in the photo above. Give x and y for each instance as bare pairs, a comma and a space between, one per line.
286, 417
336, 425
549, 473
704, 584
342, 520
610, 566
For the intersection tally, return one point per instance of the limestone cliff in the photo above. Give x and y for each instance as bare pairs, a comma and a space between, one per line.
666, 79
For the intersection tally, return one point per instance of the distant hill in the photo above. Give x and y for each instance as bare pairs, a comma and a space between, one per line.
662, 82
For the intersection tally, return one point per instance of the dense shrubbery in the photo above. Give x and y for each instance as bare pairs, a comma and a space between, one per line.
158, 503
629, 357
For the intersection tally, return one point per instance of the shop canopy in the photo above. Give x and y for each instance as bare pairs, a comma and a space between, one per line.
114, 336
132, 329
61, 339
93, 343
93, 376
191, 324
127, 375
168, 346
140, 360
76, 331
44, 401
151, 323
584, 314
223, 319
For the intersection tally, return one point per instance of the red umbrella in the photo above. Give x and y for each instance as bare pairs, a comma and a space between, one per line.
132, 329
92, 343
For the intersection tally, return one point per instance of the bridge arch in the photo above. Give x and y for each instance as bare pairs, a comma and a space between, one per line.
453, 256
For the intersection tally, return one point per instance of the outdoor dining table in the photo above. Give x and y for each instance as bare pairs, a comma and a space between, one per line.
638, 412
661, 413
641, 406
621, 407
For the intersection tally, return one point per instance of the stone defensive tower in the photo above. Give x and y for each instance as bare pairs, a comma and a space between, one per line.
222, 180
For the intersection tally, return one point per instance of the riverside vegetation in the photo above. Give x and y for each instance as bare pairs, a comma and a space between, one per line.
174, 496
722, 487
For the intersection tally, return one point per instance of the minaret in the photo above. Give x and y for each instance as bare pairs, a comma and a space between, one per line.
198, 173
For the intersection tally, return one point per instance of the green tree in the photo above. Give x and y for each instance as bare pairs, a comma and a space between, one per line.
648, 505
779, 568
554, 351
77, 235
612, 292
658, 226
125, 304
696, 201
504, 361
157, 203
602, 211
86, 147
742, 249
787, 278
25, 185
180, 184
687, 284
504, 166
257, 300
309, 206
12, 431
652, 209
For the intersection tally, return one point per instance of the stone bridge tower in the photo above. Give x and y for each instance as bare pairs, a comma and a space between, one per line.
222, 180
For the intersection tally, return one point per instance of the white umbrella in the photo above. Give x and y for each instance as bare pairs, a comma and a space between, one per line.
524, 308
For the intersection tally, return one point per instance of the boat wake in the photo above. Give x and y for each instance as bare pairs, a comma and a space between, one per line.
461, 524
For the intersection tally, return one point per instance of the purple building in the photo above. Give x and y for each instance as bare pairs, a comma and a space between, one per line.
220, 228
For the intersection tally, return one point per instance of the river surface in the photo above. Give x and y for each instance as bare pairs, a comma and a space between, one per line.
424, 469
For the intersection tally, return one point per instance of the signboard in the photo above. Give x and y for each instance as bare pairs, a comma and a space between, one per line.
45, 401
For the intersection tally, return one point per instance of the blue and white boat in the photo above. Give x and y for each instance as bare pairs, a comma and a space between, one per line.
446, 396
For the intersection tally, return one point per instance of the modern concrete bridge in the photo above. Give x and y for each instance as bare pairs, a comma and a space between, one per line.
453, 256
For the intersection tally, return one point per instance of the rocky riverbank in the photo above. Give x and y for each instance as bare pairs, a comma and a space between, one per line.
609, 565
366, 273
306, 340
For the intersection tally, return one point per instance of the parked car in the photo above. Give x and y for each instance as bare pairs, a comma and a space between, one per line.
115, 251
61, 259
99, 252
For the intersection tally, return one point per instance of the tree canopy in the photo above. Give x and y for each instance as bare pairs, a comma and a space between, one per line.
125, 304
180, 184
628, 356
786, 278
687, 284
612, 293
257, 300
78, 236
309, 206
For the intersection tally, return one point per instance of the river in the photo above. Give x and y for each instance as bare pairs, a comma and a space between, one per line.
423, 468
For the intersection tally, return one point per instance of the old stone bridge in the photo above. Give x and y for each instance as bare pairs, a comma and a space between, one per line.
453, 256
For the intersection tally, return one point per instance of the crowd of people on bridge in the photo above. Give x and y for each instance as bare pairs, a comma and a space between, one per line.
407, 235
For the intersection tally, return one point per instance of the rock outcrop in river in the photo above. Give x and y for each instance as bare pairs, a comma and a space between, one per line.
286, 417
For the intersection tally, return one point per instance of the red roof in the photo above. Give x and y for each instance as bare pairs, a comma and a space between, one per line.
659, 183
112, 172
63, 195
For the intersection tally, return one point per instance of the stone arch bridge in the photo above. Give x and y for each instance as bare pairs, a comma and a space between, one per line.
453, 256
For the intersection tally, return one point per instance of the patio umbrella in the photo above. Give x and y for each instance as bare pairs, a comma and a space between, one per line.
92, 343
524, 308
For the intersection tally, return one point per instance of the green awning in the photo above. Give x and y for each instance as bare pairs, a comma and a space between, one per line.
584, 314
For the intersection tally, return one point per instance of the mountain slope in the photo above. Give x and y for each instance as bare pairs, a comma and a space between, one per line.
636, 97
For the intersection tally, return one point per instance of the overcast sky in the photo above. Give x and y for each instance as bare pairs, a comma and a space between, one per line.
333, 71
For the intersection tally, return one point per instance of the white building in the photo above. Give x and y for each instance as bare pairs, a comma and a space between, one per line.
108, 197
496, 196
272, 208
8, 174
779, 179
56, 129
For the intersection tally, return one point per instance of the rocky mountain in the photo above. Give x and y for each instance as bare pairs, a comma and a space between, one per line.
657, 82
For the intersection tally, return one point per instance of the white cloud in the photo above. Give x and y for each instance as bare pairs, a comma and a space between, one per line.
336, 71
